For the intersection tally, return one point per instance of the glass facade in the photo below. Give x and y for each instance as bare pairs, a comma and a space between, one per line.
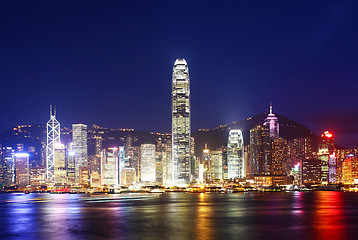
79, 147
235, 154
148, 163
181, 147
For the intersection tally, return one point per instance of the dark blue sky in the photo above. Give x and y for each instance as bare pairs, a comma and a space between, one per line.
110, 62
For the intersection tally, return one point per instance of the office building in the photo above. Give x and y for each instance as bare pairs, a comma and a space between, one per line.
217, 165
79, 147
181, 146
22, 169
278, 164
311, 171
110, 167
148, 164
60, 171
272, 122
53, 138
260, 151
235, 154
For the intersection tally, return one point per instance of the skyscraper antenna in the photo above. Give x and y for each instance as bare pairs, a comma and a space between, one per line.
270, 108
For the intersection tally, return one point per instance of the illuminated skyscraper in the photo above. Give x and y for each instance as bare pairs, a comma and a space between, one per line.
181, 123
79, 147
71, 167
272, 122
148, 165
278, 165
326, 154
121, 159
110, 167
22, 169
260, 150
7, 174
53, 137
60, 164
217, 164
235, 154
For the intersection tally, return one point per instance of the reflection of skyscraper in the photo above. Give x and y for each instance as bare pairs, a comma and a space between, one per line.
53, 137
235, 154
79, 136
181, 123
272, 122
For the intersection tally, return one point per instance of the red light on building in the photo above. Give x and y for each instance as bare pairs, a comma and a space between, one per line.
327, 134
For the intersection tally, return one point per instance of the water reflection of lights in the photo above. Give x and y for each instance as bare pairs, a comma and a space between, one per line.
327, 217
203, 219
297, 203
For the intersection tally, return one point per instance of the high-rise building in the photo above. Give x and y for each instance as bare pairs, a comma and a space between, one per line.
326, 153
235, 154
160, 161
327, 142
323, 156
298, 150
110, 167
278, 164
22, 169
53, 137
181, 147
217, 164
206, 160
122, 160
168, 164
128, 176
148, 165
350, 170
272, 122
60, 164
7, 176
71, 168
38, 176
260, 150
79, 147
311, 171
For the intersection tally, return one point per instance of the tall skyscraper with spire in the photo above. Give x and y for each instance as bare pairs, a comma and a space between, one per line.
272, 122
53, 138
181, 123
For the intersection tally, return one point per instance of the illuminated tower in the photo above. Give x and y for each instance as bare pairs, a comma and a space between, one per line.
272, 122
22, 169
147, 163
110, 167
53, 138
326, 154
60, 164
79, 147
235, 154
181, 123
260, 150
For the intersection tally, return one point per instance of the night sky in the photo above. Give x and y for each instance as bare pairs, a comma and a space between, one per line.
110, 62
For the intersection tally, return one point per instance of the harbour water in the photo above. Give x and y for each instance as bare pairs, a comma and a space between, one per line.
283, 215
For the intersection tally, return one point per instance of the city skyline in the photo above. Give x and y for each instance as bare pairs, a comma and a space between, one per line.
101, 63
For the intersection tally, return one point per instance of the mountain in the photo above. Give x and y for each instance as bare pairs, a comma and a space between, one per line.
218, 137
